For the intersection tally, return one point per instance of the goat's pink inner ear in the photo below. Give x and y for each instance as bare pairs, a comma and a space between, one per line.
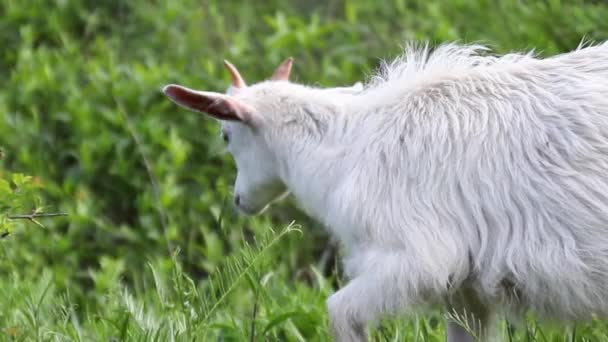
217, 105
283, 71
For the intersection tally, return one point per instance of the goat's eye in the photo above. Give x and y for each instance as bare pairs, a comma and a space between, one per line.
225, 137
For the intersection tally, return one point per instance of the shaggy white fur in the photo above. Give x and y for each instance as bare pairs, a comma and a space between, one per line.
454, 177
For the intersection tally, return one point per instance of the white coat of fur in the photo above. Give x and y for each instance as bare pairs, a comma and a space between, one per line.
453, 177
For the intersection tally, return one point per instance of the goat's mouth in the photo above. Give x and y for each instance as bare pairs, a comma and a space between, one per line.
251, 211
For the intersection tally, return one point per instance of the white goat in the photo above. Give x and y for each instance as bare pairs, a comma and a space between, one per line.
453, 177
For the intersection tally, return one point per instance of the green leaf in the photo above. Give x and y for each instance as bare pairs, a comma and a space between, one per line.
5, 188
280, 319
21, 180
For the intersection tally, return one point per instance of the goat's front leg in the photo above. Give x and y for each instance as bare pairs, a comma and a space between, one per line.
383, 283
348, 315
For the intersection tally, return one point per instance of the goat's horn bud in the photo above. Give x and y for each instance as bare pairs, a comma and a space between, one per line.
237, 80
283, 71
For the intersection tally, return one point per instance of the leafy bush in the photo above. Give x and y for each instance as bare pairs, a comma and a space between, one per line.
140, 178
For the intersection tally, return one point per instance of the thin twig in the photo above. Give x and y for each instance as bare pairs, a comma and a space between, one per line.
34, 216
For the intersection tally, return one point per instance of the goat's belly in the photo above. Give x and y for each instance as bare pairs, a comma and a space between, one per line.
551, 265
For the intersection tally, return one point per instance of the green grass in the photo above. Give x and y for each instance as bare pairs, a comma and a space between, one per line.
151, 249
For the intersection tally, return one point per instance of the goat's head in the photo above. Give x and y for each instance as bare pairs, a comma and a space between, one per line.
244, 112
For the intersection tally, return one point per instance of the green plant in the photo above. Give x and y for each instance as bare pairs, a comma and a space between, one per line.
20, 194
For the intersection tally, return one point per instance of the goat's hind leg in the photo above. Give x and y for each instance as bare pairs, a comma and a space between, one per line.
456, 333
465, 308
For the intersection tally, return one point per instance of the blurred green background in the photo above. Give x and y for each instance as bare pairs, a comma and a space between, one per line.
147, 185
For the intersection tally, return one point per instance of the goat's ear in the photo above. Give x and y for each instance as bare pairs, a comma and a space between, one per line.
219, 106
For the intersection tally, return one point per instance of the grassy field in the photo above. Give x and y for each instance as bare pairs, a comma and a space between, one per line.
151, 249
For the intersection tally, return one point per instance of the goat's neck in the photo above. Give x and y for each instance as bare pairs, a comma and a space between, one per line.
315, 174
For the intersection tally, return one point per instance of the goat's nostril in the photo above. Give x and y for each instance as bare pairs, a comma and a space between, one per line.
237, 200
